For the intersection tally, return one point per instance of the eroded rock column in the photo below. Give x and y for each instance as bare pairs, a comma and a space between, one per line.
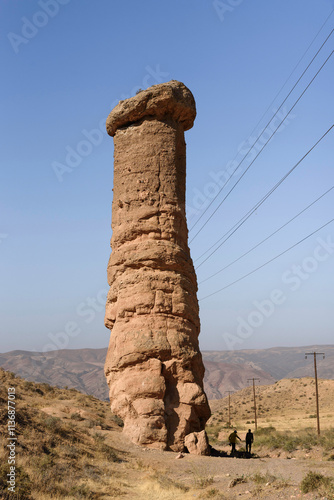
154, 366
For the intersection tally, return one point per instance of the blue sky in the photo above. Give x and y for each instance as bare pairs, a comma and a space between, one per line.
66, 63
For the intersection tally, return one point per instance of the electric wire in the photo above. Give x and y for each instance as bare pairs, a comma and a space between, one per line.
268, 237
256, 140
227, 232
258, 154
268, 261
288, 78
269, 193
212, 201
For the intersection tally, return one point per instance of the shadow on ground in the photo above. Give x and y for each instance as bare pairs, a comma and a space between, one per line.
236, 454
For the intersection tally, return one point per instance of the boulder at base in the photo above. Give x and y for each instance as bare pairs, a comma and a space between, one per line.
197, 443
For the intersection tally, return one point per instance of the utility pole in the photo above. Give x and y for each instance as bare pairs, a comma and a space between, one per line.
248, 380
229, 407
314, 354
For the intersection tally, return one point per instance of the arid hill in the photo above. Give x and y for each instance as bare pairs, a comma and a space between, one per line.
69, 446
280, 362
82, 369
286, 404
221, 377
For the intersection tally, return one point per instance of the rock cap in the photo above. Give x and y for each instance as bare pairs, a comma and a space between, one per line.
165, 99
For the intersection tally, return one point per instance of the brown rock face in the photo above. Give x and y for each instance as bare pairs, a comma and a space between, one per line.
197, 443
154, 367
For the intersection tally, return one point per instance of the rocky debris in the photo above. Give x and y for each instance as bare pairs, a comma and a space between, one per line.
197, 443
154, 366
236, 481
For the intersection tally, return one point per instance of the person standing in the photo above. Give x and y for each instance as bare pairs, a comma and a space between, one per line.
233, 439
249, 441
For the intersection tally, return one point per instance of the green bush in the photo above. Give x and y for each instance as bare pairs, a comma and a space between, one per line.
259, 478
58, 428
99, 438
52, 423
76, 416
203, 482
117, 420
109, 453
327, 439
314, 481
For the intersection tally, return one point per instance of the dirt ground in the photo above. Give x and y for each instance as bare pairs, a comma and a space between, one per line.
146, 474
214, 477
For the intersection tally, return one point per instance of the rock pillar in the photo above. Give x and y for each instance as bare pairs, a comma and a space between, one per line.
154, 366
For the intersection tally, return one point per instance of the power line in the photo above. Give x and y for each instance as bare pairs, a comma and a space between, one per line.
207, 208
294, 69
265, 144
268, 261
267, 238
245, 218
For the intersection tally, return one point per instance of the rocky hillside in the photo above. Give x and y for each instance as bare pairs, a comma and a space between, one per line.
82, 369
221, 377
286, 404
280, 362
69, 446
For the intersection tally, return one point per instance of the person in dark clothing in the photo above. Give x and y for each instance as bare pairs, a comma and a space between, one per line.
249, 441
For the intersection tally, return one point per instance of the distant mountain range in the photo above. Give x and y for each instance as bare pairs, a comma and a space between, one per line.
82, 369
280, 362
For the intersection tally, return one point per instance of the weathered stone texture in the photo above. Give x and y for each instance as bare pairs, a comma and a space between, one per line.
154, 367
197, 443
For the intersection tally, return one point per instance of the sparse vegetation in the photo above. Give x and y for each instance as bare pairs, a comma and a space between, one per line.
23, 481
289, 441
237, 480
314, 481
212, 493
55, 453
260, 478
213, 432
77, 416
285, 416
66, 449
203, 482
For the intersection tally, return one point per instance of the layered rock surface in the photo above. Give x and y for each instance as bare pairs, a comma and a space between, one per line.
153, 367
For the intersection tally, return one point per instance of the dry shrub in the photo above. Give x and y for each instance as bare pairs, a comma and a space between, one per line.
315, 481
22, 483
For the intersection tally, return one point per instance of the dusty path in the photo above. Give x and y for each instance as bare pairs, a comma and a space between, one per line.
210, 477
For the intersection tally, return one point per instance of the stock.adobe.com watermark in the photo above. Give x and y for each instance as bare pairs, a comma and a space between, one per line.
86, 311
251, 147
223, 7
12, 439
31, 26
3, 236
93, 138
293, 278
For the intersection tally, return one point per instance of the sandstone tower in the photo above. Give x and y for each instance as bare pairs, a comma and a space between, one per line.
154, 366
